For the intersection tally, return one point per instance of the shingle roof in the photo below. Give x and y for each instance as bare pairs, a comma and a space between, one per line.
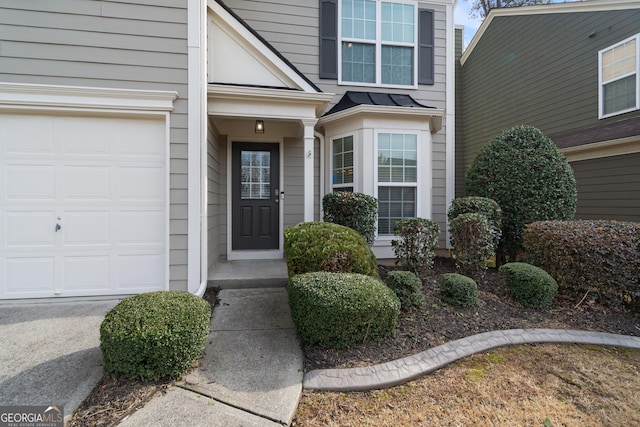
624, 128
353, 98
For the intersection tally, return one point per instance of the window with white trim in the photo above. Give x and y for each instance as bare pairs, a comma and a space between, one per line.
342, 165
397, 179
378, 42
619, 77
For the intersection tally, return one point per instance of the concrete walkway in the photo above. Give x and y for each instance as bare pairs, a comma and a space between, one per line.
49, 352
251, 373
408, 368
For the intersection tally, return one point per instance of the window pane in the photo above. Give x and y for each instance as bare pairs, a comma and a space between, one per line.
397, 65
343, 160
397, 22
397, 157
255, 174
358, 62
359, 19
620, 95
394, 204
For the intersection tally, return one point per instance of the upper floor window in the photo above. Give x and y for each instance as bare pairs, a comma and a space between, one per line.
342, 167
619, 77
378, 42
397, 179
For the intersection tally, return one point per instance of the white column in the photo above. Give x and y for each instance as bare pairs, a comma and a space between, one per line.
309, 126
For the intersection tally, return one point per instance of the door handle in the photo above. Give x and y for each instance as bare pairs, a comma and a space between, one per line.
58, 227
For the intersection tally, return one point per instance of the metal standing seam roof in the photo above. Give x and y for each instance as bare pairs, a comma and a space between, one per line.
354, 98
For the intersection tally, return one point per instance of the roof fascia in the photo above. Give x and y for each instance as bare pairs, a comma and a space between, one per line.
596, 150
268, 50
546, 9
434, 115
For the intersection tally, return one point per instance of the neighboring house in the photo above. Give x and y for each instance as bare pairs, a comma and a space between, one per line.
144, 141
573, 71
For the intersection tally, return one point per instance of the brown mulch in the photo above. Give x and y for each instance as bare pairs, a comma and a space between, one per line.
436, 323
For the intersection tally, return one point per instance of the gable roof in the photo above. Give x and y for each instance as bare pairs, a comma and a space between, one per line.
545, 9
270, 59
353, 98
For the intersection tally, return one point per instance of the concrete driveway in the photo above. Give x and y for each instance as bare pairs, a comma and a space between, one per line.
49, 352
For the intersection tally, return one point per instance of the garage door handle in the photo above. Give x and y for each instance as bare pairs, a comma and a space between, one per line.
58, 227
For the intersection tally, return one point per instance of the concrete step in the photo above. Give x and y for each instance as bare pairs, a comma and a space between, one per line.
249, 274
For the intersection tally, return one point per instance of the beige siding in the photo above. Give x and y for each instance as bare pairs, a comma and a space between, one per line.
216, 195
293, 30
293, 168
609, 188
137, 44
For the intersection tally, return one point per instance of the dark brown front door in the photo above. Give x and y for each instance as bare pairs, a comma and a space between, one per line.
255, 200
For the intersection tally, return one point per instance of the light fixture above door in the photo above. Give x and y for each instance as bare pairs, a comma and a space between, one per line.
259, 126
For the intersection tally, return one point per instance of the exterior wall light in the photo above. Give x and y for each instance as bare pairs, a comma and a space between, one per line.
259, 126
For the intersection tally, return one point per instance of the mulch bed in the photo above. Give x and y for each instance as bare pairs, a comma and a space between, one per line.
436, 323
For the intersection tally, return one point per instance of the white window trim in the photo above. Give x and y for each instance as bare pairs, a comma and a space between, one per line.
601, 114
417, 184
331, 153
378, 47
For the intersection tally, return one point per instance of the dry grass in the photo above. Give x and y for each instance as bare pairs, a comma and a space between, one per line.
542, 385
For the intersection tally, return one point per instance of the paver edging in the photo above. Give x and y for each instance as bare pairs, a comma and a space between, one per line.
408, 368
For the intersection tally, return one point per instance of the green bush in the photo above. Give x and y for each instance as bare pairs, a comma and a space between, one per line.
354, 210
341, 310
417, 246
479, 205
154, 335
323, 246
531, 286
525, 173
473, 239
601, 257
458, 290
407, 287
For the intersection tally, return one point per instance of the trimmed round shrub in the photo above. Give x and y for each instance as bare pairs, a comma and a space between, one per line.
354, 210
416, 248
154, 335
341, 310
525, 173
407, 287
531, 286
479, 205
323, 246
473, 239
458, 290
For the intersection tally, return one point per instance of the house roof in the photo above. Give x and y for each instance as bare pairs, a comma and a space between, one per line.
353, 99
603, 132
545, 9
267, 45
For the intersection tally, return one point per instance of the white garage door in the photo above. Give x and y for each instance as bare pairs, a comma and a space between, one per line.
82, 206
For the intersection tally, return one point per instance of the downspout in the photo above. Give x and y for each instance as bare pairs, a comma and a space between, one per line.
321, 190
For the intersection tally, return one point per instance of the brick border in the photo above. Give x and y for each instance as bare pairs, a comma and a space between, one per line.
411, 367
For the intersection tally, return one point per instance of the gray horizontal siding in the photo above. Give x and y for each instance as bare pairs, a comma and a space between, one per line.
540, 70
137, 44
609, 188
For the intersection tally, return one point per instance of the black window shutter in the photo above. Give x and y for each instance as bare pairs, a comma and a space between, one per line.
425, 46
328, 39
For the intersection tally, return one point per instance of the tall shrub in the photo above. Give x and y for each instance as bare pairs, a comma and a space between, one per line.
473, 240
416, 248
525, 173
353, 210
479, 205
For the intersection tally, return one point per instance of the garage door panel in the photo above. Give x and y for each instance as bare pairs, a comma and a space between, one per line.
29, 229
141, 271
142, 183
27, 134
86, 228
87, 273
104, 181
88, 137
141, 227
87, 182
30, 275
30, 182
